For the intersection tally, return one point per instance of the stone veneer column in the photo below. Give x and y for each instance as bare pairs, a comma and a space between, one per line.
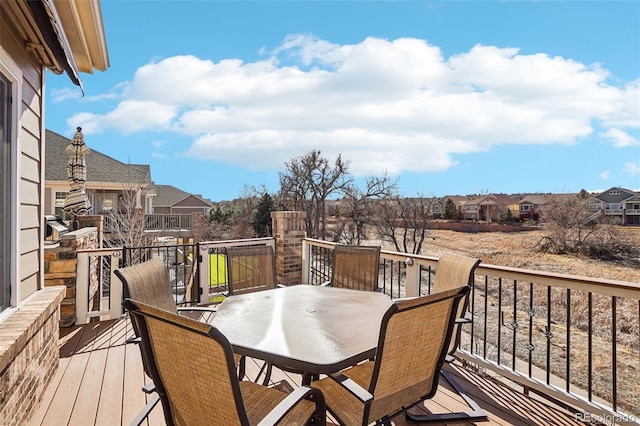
289, 230
60, 262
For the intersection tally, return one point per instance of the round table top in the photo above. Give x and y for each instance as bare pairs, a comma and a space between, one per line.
305, 328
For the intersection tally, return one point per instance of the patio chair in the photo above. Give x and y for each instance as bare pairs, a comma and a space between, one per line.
193, 367
149, 282
250, 268
406, 365
453, 270
355, 267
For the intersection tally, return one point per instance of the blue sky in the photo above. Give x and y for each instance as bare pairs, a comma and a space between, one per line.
451, 97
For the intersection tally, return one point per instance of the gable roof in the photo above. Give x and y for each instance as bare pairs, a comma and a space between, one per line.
169, 196
458, 200
100, 167
535, 199
616, 194
496, 199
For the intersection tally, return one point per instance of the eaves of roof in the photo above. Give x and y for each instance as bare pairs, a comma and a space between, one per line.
64, 35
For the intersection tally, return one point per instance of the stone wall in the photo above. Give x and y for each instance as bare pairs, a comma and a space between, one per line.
289, 230
60, 269
29, 355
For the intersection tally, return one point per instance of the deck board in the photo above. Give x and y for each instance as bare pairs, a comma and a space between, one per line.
100, 376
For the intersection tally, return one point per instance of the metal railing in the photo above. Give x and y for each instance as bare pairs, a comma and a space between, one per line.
168, 222
571, 338
574, 339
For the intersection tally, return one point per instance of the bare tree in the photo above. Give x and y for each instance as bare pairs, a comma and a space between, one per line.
570, 227
359, 207
404, 222
231, 220
125, 221
308, 182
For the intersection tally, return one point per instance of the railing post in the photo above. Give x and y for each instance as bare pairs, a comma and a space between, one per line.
115, 287
203, 272
412, 286
82, 289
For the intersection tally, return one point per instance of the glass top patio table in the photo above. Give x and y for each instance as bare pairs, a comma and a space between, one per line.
304, 328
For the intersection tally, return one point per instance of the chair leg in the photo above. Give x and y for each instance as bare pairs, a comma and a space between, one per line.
267, 367
476, 412
142, 416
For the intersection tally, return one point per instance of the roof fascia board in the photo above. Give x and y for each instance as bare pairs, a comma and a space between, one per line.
55, 40
84, 27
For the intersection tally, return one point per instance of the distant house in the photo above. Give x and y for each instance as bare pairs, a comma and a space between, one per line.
107, 180
619, 203
530, 206
490, 207
170, 199
439, 206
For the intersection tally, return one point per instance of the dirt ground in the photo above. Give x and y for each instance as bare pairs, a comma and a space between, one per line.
517, 249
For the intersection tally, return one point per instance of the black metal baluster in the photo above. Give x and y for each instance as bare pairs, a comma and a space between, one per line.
532, 313
514, 325
499, 319
549, 335
486, 305
568, 357
614, 350
590, 347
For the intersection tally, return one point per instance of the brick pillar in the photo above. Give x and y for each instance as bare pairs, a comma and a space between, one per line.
289, 230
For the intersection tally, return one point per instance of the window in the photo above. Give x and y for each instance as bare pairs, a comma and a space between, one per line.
59, 210
6, 196
614, 192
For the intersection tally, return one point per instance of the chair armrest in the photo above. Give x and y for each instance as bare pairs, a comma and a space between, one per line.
325, 284
281, 286
355, 389
402, 299
463, 320
134, 339
287, 404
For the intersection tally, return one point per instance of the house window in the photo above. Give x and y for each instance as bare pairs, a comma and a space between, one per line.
6, 195
614, 192
59, 209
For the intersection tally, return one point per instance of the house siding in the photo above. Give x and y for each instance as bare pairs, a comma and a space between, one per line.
29, 159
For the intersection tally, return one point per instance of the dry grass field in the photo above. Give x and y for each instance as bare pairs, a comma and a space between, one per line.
517, 249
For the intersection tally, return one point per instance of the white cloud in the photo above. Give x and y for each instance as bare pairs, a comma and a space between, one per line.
619, 138
394, 105
632, 168
604, 175
61, 95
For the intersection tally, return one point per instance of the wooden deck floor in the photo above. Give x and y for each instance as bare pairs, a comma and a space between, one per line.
99, 378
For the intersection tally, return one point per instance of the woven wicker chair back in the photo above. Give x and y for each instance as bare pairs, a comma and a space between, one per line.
355, 267
414, 338
250, 268
148, 282
454, 270
195, 366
